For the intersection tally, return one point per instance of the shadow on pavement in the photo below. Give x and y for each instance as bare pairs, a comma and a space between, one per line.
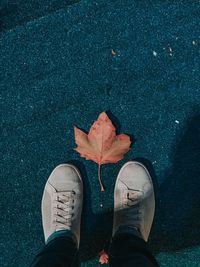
13, 13
177, 223
96, 228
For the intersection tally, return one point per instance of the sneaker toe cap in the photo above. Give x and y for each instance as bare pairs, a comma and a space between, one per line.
65, 177
135, 176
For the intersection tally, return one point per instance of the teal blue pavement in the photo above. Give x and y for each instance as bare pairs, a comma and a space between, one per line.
61, 64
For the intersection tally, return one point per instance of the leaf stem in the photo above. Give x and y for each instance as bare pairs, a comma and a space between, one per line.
99, 177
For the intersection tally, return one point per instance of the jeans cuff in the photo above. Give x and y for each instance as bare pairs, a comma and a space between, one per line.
124, 229
62, 233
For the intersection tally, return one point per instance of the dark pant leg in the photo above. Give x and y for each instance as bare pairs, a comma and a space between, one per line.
128, 250
59, 252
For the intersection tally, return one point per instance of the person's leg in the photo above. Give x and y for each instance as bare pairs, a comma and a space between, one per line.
134, 207
128, 250
60, 251
61, 217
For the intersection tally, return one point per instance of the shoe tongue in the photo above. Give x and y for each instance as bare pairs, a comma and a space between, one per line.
66, 192
65, 196
133, 198
134, 194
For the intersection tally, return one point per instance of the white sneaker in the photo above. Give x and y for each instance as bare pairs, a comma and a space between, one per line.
62, 201
134, 200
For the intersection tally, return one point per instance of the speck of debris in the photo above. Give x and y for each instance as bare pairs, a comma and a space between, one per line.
170, 51
114, 53
176, 121
194, 42
155, 53
101, 205
154, 162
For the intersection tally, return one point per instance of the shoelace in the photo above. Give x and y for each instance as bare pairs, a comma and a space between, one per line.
63, 206
133, 199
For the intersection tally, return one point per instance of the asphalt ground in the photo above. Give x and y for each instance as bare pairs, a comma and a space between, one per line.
62, 64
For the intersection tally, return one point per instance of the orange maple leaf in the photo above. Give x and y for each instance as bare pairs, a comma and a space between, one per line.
101, 144
103, 257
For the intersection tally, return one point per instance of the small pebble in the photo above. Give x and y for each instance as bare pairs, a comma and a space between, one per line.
154, 53
114, 53
170, 51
